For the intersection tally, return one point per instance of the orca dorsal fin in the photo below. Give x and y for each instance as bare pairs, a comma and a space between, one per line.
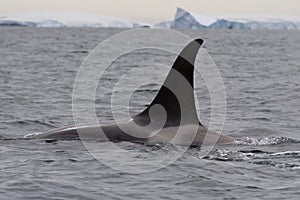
176, 95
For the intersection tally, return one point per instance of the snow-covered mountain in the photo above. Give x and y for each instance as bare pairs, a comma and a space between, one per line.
184, 19
65, 19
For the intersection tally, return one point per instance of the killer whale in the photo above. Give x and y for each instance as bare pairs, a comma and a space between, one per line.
170, 118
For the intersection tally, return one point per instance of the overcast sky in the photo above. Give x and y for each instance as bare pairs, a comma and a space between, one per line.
152, 11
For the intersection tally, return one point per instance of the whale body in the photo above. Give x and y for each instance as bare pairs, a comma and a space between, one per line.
170, 118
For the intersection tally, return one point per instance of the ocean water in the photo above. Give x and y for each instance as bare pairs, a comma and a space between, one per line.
260, 70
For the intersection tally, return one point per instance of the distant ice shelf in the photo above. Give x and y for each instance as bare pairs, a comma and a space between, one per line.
182, 20
65, 19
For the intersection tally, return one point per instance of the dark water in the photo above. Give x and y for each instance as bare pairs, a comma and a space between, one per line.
260, 70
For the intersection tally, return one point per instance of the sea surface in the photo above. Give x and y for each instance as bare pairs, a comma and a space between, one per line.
261, 75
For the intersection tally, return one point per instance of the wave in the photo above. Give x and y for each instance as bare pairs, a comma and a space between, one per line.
32, 122
264, 141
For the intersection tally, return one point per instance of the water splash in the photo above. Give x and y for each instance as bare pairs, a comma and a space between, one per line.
264, 141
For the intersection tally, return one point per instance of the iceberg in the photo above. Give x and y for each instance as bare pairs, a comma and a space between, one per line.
279, 25
252, 24
65, 19
46, 23
184, 19
187, 20
7, 22
227, 24
165, 24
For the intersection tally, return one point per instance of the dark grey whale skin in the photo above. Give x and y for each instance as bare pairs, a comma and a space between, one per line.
180, 126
